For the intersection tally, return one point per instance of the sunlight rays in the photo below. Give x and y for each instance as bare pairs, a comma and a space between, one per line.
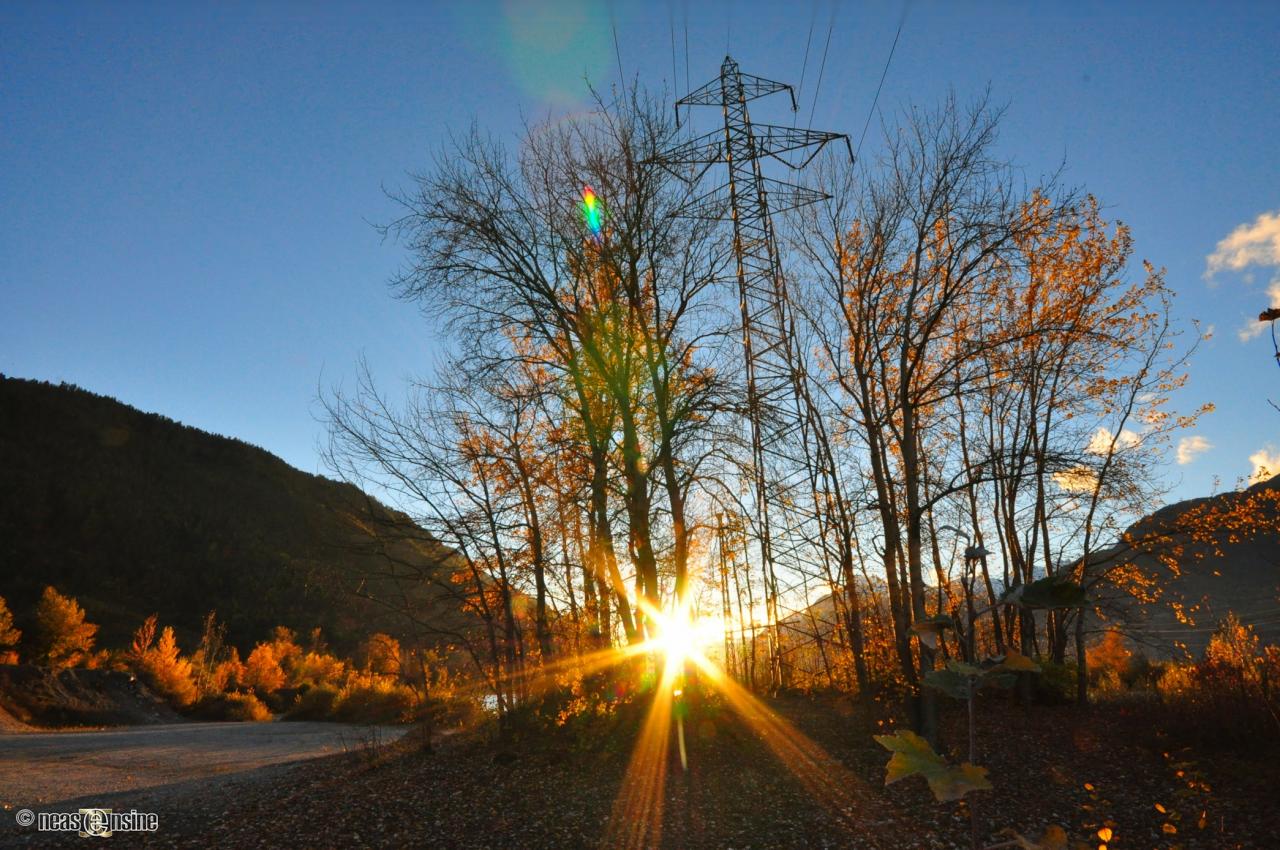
637, 815
828, 781
636, 818
676, 644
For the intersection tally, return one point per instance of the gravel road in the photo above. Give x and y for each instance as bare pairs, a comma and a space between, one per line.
45, 771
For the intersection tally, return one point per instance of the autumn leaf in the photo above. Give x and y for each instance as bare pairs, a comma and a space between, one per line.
1016, 662
950, 682
912, 755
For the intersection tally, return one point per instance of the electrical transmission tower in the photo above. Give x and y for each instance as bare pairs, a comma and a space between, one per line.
779, 409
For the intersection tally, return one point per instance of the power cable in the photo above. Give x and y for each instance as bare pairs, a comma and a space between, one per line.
822, 68
622, 80
883, 74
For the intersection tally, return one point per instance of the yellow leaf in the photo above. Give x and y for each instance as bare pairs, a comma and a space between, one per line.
1105, 834
1169, 829
912, 754
1161, 809
1016, 662
1088, 786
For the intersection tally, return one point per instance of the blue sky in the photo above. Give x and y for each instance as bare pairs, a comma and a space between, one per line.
188, 189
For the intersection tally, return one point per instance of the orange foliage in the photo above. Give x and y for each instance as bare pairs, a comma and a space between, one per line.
262, 670
63, 637
9, 636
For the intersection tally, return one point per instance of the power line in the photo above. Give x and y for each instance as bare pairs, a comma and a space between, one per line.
686, 45
804, 66
822, 69
675, 73
883, 74
622, 79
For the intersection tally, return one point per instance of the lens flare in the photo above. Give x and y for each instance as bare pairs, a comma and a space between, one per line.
592, 211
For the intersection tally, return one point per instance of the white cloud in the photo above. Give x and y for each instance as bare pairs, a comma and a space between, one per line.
1256, 244
1266, 463
1191, 447
1100, 443
1079, 479
1249, 245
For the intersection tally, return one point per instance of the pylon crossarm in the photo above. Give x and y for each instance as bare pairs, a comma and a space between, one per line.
714, 205
706, 149
712, 92
774, 139
767, 139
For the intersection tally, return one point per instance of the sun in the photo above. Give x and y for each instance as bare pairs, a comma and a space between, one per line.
676, 638
683, 637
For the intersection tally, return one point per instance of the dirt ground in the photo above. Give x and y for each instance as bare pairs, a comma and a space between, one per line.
143, 766
37, 697
748, 786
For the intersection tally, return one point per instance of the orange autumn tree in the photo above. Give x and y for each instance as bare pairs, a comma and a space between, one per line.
927, 239
161, 663
1003, 383
9, 635
561, 451
63, 638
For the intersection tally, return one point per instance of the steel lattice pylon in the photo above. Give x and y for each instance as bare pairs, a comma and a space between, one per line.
779, 410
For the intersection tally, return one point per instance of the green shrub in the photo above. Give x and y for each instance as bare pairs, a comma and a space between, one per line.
314, 703
1056, 684
1143, 674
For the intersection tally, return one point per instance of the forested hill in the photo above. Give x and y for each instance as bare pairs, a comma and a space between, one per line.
1226, 549
133, 514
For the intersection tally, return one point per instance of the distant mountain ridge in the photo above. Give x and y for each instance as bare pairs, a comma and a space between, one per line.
133, 514
1236, 569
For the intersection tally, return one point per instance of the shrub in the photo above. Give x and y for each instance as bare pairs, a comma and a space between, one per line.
210, 653
9, 636
317, 668
228, 674
237, 706
1176, 680
1108, 661
63, 638
165, 670
1143, 674
374, 699
262, 670
381, 654
284, 646
1231, 694
1056, 684
315, 703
